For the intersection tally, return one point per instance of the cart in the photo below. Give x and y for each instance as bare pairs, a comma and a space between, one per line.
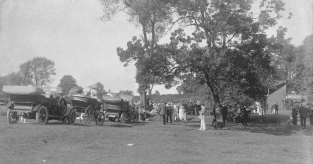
89, 108
32, 103
117, 109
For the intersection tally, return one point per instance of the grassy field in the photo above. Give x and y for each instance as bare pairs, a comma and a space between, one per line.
153, 142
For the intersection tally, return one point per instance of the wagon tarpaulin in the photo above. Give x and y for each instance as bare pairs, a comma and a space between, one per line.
22, 90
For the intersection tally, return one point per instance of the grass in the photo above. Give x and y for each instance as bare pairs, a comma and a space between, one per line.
153, 142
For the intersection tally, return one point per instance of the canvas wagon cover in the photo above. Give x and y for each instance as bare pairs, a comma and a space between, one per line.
22, 89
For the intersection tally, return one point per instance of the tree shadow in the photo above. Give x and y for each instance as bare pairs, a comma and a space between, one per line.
59, 123
120, 125
273, 129
127, 124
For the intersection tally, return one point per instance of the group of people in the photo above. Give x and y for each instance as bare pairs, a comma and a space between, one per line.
167, 110
304, 111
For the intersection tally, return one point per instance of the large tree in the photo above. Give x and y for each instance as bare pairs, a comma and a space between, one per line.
228, 51
301, 72
38, 71
25, 72
66, 83
155, 19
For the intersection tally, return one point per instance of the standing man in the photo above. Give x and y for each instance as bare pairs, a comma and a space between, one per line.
224, 113
169, 112
244, 113
158, 111
304, 113
162, 109
294, 114
276, 108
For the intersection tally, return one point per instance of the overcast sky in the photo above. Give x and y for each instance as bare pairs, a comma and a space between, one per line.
70, 33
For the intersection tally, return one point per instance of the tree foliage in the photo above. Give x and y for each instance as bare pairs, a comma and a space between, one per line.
126, 92
157, 93
154, 17
228, 51
66, 83
301, 73
37, 71
10, 79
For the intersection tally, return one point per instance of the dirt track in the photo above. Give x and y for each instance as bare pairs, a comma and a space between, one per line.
153, 143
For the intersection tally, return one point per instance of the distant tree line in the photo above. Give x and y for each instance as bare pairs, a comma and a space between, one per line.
36, 72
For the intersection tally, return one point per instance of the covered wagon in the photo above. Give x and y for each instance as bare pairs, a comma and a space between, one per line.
33, 103
116, 109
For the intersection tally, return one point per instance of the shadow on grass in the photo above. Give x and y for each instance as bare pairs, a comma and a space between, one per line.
128, 124
120, 125
60, 123
272, 129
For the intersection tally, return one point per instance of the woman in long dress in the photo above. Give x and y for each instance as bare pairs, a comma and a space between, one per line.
202, 118
182, 112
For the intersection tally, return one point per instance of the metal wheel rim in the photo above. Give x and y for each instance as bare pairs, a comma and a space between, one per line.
42, 115
11, 118
88, 115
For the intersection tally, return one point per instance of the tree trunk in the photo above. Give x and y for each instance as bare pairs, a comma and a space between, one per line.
216, 99
144, 99
149, 93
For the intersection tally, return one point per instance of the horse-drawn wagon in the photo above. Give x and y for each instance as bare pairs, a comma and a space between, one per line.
33, 103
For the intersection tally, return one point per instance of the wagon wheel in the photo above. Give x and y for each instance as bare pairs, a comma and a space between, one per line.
89, 114
123, 117
71, 118
42, 115
12, 116
62, 106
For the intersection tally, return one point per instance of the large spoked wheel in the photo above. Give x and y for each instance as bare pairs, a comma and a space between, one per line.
71, 118
62, 106
123, 117
12, 116
89, 114
42, 115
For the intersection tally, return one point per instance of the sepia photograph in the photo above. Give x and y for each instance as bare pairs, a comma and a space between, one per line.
156, 81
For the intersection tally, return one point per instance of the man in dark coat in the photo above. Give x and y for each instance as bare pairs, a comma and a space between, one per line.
304, 113
276, 108
224, 113
169, 112
162, 109
294, 114
244, 113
